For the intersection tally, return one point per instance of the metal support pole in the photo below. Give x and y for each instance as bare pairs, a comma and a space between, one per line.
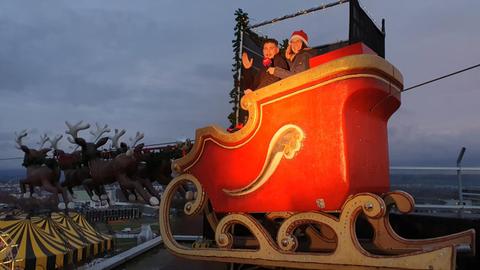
459, 175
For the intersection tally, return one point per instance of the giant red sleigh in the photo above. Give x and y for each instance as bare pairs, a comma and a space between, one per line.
311, 140
314, 143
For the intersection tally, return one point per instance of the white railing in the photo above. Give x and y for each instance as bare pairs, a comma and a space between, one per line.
464, 169
459, 171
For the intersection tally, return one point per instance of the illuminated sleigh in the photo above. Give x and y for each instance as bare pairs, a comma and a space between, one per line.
315, 144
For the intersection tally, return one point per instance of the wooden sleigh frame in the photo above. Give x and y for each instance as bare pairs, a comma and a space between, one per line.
347, 252
332, 242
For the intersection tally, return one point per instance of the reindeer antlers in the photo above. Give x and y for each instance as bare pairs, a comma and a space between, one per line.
99, 132
116, 137
73, 130
55, 140
19, 137
43, 139
138, 137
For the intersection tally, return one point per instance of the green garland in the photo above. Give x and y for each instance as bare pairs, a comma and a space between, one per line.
241, 25
242, 22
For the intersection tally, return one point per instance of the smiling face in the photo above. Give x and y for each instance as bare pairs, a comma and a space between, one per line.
296, 45
270, 49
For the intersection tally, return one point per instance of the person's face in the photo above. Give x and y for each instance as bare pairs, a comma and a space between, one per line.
296, 45
270, 50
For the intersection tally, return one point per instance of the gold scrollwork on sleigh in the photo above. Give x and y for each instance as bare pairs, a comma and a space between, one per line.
281, 248
285, 143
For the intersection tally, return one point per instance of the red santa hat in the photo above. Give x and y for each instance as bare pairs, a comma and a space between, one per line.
300, 35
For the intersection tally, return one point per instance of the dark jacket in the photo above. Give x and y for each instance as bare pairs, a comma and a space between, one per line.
257, 79
300, 63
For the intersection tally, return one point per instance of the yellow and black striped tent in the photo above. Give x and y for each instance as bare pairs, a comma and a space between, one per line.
66, 222
36, 249
104, 241
13, 214
75, 231
75, 241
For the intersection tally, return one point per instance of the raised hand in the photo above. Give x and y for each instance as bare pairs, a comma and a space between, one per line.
247, 63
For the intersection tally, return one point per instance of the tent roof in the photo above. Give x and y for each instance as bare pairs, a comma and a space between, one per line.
69, 235
35, 247
83, 223
101, 242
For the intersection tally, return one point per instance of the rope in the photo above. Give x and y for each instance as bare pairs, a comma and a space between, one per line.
12, 158
442, 77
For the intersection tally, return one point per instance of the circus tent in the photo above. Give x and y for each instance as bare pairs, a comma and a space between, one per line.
54, 241
75, 240
12, 214
36, 249
94, 240
104, 242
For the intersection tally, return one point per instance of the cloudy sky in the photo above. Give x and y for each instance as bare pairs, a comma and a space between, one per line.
163, 67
